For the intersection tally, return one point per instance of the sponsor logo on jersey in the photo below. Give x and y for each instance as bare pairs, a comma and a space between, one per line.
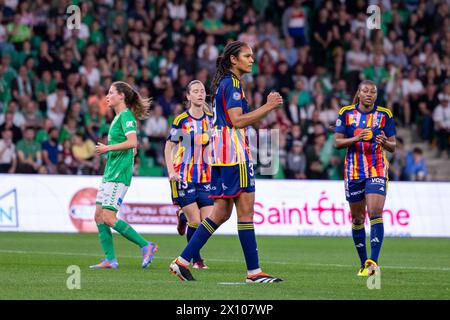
237, 96
129, 124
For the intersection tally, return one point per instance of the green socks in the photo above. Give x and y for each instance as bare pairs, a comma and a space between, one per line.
106, 240
128, 232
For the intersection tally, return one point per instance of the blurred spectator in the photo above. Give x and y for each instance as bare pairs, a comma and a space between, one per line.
329, 114
296, 162
167, 101
98, 98
7, 123
68, 163
283, 78
441, 117
22, 85
45, 58
415, 168
427, 103
57, 104
94, 122
207, 54
315, 169
52, 151
29, 153
376, 72
398, 57
295, 23
156, 130
356, 61
18, 32
32, 116
249, 36
177, 9
90, 70
412, 89
288, 51
42, 132
212, 24
322, 36
83, 151
4, 44
45, 87
8, 160
299, 96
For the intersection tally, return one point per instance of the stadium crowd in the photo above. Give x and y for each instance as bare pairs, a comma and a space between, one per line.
53, 80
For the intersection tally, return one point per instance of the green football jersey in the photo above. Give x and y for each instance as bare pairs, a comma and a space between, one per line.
119, 166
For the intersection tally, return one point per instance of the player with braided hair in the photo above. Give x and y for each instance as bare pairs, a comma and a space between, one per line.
232, 174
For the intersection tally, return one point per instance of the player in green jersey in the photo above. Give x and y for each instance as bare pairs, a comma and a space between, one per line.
128, 106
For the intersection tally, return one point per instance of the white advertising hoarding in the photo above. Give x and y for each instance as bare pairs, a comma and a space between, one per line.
37, 203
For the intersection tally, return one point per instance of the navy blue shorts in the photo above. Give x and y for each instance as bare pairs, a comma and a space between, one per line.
230, 181
355, 190
186, 193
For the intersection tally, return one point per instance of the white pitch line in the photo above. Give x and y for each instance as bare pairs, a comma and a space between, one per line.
382, 267
444, 269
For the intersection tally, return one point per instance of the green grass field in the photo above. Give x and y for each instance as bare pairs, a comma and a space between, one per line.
34, 265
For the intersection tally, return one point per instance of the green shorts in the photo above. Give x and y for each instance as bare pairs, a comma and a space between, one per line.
110, 195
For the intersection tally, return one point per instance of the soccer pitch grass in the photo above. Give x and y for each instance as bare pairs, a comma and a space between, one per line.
34, 265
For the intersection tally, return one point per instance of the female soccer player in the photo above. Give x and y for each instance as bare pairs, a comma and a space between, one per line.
232, 175
366, 131
190, 171
128, 106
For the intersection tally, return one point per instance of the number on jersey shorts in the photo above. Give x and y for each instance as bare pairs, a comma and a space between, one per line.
230, 181
110, 195
184, 193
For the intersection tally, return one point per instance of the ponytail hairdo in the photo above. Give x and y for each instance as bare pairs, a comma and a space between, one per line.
139, 106
223, 64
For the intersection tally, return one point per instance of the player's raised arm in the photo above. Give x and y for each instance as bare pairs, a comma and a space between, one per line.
241, 120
